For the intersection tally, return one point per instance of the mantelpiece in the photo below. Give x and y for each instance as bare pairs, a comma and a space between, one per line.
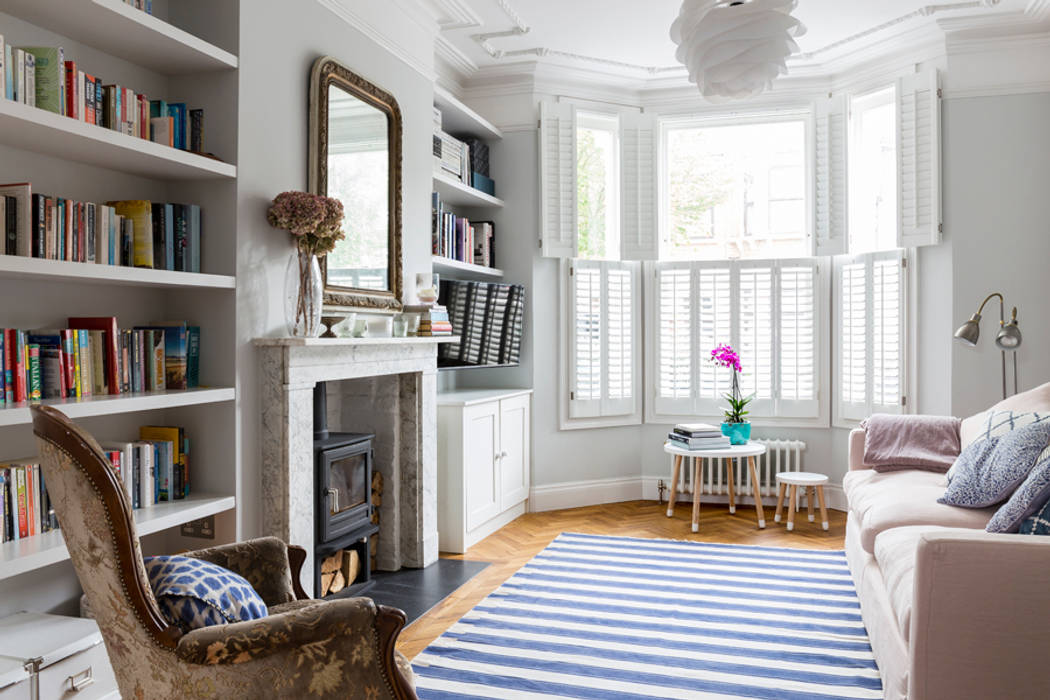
387, 386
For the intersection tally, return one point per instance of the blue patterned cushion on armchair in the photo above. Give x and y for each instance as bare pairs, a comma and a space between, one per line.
192, 593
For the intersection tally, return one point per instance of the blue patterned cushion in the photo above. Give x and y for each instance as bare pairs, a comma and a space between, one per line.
1000, 423
192, 593
988, 471
1029, 497
1037, 523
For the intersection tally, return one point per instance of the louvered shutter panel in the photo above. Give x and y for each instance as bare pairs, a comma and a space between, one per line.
753, 333
585, 348
558, 179
852, 295
798, 316
620, 346
675, 316
919, 159
830, 185
886, 323
638, 227
714, 326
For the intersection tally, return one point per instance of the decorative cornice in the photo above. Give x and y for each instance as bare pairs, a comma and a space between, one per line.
391, 42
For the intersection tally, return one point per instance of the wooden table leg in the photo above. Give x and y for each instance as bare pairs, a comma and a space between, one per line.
696, 494
781, 488
757, 489
792, 500
731, 475
811, 492
823, 508
674, 485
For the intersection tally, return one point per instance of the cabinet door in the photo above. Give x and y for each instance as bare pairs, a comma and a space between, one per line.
481, 450
514, 451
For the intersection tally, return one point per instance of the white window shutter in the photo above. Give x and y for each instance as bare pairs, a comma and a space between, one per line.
753, 333
639, 238
886, 324
829, 171
714, 326
797, 336
558, 216
674, 373
919, 159
586, 371
851, 340
621, 357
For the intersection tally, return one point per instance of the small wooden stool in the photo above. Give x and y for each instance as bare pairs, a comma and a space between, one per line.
810, 483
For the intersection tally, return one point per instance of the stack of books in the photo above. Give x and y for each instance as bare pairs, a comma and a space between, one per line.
698, 436
93, 357
24, 501
464, 161
139, 233
433, 320
40, 76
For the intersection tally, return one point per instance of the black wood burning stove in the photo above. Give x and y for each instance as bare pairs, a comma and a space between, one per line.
343, 465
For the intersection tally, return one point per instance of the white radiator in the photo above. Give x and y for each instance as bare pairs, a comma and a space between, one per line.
780, 456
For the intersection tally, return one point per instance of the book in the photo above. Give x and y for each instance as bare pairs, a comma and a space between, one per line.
163, 237
693, 430
176, 352
193, 357
48, 70
197, 130
139, 212
21, 193
28, 91
162, 130
126, 450
710, 443
33, 372
181, 232
177, 111
108, 345
178, 485
146, 472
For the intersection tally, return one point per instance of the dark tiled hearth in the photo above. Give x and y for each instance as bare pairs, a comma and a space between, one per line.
417, 590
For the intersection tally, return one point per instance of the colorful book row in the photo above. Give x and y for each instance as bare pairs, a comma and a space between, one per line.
95, 357
139, 233
456, 238
27, 507
155, 468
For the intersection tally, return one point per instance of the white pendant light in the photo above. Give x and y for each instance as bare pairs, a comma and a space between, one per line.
734, 49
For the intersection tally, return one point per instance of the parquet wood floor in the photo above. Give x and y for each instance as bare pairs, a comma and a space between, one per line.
510, 548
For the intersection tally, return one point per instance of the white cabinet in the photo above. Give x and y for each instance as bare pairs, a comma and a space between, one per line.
483, 463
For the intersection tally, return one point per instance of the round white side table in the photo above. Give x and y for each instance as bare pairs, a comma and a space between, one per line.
810, 482
750, 450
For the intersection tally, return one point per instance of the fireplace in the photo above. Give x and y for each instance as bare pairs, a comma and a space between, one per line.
343, 511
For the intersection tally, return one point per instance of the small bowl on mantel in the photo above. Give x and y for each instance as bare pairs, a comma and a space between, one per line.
330, 323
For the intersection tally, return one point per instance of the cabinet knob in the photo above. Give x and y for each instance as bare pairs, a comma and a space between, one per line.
502, 455
498, 456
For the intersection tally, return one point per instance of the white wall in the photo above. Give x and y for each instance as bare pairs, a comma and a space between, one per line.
279, 43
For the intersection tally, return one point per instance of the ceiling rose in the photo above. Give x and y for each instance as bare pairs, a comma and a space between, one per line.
734, 49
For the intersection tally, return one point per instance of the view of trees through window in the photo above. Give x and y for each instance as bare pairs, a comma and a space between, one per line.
597, 188
736, 191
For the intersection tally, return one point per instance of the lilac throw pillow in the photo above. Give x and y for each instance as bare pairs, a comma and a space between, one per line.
988, 471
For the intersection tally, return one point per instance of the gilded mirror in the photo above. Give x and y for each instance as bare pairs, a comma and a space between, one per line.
355, 156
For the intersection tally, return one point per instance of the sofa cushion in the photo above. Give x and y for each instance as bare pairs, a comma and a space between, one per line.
881, 502
1037, 523
895, 554
1035, 400
1027, 500
988, 471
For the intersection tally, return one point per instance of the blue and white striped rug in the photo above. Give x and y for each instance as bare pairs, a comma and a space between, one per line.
618, 617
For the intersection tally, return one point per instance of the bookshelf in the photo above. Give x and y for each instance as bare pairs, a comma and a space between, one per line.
455, 193
162, 57
457, 268
458, 118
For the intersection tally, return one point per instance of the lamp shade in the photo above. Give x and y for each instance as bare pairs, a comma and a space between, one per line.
970, 331
734, 49
1009, 337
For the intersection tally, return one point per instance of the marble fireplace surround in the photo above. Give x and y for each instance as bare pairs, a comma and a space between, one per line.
383, 385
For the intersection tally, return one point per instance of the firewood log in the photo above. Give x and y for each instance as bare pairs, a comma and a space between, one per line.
351, 565
333, 563
338, 582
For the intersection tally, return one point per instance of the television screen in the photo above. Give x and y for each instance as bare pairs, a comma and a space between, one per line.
487, 317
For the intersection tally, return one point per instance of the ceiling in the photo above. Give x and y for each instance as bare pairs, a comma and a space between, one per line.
633, 34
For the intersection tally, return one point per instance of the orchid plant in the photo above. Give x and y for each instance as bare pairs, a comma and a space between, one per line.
725, 356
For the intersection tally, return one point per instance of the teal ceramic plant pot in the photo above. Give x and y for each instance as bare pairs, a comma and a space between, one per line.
738, 433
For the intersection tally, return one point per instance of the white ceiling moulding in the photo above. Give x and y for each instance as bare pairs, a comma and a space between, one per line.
387, 28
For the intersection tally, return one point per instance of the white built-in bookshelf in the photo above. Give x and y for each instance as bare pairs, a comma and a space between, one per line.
165, 57
458, 119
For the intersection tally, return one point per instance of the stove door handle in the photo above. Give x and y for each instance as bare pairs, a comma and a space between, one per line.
333, 505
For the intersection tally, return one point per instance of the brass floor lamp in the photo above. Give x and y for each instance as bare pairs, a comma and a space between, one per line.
1008, 338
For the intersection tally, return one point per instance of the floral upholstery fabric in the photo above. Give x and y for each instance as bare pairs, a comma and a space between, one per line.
263, 562
324, 650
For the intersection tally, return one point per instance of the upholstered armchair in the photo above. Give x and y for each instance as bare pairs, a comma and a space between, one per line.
303, 649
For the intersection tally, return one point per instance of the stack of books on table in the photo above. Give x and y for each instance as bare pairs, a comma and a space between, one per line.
698, 436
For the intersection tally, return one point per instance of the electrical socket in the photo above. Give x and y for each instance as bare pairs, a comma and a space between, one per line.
204, 528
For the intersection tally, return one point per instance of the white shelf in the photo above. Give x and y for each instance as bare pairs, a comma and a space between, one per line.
457, 118
19, 267
121, 30
447, 265
20, 556
321, 342
106, 405
39, 130
456, 193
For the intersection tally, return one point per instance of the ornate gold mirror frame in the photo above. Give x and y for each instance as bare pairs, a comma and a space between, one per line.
328, 72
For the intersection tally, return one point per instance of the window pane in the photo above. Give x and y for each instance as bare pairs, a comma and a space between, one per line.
587, 304
597, 188
873, 172
736, 191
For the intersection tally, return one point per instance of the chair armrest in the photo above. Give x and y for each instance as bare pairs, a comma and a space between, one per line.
856, 450
979, 617
264, 562
354, 631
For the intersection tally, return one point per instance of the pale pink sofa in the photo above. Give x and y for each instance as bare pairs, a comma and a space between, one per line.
953, 612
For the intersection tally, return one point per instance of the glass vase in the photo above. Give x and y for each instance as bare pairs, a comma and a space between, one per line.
303, 295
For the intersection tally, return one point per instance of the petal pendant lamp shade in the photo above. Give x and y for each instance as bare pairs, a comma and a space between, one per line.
734, 49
